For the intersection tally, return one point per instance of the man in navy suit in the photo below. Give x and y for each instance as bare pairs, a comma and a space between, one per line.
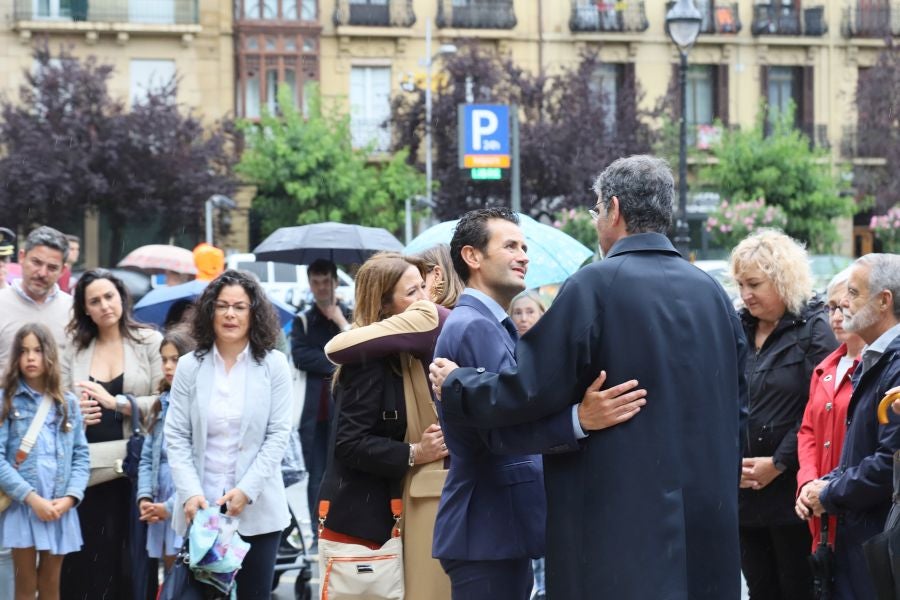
492, 511
647, 509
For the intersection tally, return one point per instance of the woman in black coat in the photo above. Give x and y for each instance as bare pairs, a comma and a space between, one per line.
789, 335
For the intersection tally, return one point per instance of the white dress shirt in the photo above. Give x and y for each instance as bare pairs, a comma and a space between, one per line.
223, 434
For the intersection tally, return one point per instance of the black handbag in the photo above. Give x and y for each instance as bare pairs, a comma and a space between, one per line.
882, 552
135, 444
180, 583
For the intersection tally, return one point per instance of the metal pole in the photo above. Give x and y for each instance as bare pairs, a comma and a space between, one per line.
682, 232
429, 60
515, 172
408, 205
209, 227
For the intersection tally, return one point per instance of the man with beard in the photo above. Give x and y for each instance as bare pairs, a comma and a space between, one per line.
858, 491
36, 298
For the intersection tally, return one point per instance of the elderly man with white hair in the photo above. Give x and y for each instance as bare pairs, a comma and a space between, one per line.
859, 490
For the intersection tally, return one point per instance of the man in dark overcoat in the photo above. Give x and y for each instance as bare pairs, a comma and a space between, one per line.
647, 509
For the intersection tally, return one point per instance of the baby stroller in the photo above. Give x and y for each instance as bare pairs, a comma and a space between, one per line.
292, 553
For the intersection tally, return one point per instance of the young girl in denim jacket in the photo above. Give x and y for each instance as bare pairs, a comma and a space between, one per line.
156, 492
46, 486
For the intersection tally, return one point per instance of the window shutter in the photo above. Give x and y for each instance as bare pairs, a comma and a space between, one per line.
806, 108
722, 93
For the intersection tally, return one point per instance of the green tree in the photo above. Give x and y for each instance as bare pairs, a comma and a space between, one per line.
306, 171
782, 168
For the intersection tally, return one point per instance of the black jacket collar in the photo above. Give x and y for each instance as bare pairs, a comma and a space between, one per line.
642, 242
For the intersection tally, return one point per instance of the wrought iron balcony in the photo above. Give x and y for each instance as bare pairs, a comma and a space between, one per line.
871, 21
374, 13
608, 16
786, 19
476, 14
860, 141
155, 12
717, 18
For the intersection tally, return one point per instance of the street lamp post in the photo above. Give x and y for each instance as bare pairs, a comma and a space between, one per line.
683, 21
427, 62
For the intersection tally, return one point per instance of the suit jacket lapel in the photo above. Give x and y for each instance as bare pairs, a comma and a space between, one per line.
255, 371
206, 373
499, 330
128, 359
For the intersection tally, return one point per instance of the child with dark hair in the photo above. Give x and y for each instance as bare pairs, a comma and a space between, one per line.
155, 490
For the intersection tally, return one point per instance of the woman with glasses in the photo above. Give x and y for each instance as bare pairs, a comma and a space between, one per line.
788, 333
229, 420
821, 434
111, 355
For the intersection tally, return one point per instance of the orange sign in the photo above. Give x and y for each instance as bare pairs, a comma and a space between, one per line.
472, 161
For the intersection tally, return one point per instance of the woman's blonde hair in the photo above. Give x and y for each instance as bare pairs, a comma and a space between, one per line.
527, 295
782, 259
375, 282
451, 285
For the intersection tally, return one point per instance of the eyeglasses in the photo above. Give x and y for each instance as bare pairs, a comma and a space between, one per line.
830, 309
240, 308
595, 214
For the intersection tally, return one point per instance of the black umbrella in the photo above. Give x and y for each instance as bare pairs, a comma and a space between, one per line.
822, 563
337, 242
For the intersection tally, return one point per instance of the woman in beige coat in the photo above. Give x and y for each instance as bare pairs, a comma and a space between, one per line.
111, 356
412, 334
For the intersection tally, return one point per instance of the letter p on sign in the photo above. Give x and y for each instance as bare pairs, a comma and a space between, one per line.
484, 124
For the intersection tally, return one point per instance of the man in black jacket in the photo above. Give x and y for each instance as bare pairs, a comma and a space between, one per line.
311, 331
859, 490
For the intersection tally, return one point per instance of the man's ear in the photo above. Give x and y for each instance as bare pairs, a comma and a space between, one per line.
613, 214
471, 256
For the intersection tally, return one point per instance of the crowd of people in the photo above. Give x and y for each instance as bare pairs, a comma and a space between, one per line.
639, 435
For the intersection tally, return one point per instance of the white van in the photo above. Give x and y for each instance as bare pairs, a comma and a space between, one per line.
288, 282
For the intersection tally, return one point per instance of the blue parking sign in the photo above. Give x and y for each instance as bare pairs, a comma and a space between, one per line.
484, 129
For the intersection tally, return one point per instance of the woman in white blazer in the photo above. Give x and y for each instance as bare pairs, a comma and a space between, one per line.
110, 355
229, 420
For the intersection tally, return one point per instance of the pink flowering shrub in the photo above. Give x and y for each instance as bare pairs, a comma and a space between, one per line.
886, 228
730, 223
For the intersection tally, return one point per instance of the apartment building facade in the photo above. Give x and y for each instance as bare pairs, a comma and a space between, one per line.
806, 51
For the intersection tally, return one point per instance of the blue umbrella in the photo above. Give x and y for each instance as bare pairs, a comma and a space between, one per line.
154, 307
553, 255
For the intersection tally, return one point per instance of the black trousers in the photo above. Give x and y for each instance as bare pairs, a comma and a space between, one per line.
774, 562
101, 568
510, 579
254, 580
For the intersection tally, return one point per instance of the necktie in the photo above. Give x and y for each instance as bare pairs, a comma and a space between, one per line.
511, 329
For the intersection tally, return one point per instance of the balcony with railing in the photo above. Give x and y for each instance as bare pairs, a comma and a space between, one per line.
628, 16
817, 133
861, 142
373, 134
476, 14
374, 13
871, 20
718, 18
63, 14
788, 20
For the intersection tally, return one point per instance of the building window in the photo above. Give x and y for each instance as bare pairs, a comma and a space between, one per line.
149, 76
271, 10
605, 88
267, 61
53, 9
370, 107
782, 90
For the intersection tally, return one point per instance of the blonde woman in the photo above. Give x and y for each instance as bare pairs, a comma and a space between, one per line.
525, 310
789, 334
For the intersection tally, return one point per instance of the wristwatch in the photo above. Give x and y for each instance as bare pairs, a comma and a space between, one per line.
121, 402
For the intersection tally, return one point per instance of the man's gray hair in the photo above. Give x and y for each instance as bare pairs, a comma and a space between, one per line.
884, 274
645, 188
47, 236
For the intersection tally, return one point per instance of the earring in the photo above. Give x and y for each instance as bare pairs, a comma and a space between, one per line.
437, 290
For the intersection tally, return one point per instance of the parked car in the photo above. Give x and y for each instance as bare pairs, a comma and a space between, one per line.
288, 282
